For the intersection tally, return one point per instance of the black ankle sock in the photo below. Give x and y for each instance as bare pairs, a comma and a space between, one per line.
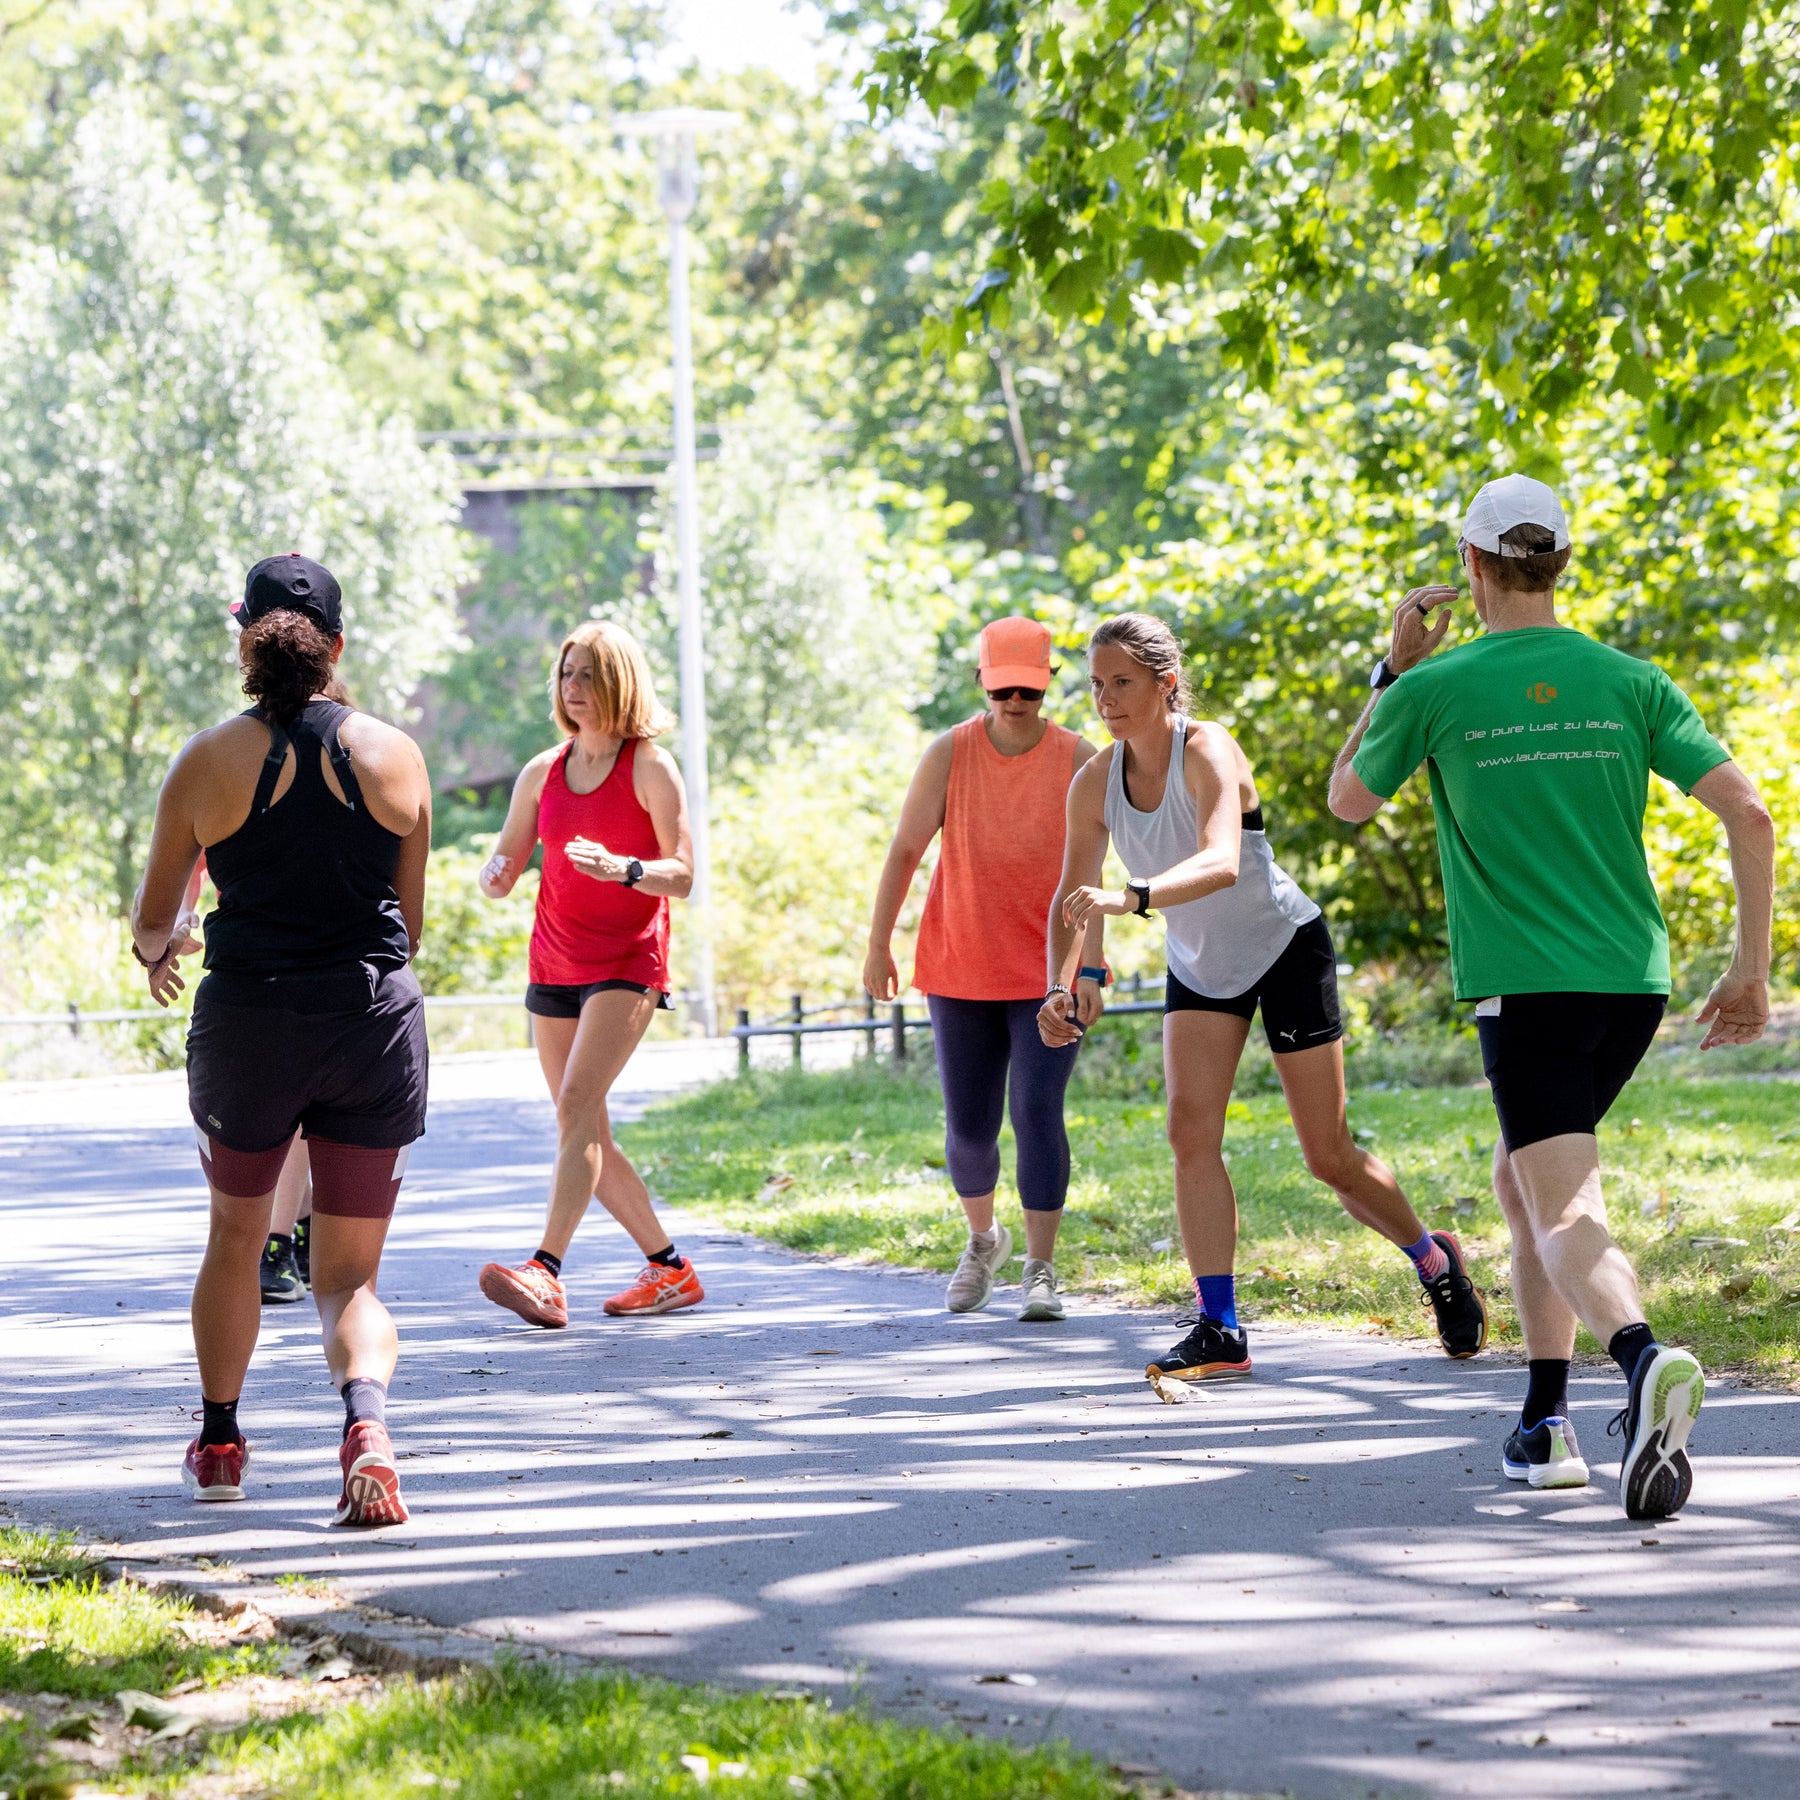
365, 1402
275, 1237
669, 1258
1546, 1392
552, 1263
1628, 1344
218, 1423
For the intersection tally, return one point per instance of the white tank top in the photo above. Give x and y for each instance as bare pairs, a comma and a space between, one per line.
1221, 944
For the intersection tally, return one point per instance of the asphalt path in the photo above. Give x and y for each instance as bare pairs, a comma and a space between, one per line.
1315, 1581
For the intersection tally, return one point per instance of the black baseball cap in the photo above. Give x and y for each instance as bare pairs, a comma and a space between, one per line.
295, 582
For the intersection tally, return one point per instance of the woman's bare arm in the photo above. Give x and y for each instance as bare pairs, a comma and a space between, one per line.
921, 819
519, 835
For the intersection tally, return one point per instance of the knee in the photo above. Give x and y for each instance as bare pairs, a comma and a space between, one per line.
239, 1229
1336, 1164
580, 1117
1192, 1141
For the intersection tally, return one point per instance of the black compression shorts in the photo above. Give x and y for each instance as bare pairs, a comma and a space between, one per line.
1297, 992
342, 1059
564, 1000
1557, 1062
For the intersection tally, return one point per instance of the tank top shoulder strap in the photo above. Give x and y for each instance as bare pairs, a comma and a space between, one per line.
626, 761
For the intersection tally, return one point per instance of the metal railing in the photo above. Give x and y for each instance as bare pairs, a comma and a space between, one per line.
73, 1017
893, 1022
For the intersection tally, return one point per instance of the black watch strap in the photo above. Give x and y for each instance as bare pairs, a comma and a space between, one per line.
634, 872
1382, 676
1142, 890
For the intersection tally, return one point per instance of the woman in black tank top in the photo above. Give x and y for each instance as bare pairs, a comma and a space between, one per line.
315, 821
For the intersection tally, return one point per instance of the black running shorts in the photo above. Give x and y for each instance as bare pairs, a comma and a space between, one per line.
342, 1059
1297, 993
564, 1000
1557, 1062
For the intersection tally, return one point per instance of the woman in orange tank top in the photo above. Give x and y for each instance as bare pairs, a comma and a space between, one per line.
997, 788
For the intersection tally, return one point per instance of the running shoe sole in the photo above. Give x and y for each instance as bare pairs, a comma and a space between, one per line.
371, 1494
500, 1285
1217, 1371
1655, 1476
1041, 1312
665, 1303
270, 1297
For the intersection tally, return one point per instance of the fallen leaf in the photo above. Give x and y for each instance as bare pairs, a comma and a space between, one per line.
1007, 1680
78, 1728
157, 1716
1737, 1287
777, 1183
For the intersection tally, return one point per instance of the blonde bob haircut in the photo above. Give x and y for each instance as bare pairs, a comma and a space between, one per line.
624, 692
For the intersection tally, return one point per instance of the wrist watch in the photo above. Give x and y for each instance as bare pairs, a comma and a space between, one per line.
634, 872
1141, 889
1056, 987
1381, 675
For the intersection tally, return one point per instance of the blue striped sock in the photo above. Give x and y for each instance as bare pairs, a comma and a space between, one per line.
1218, 1298
1428, 1257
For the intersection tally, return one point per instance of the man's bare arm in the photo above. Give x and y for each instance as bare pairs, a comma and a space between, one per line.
1737, 1009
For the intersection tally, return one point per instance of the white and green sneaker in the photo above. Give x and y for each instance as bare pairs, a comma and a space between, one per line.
1040, 1300
1655, 1476
972, 1285
1547, 1455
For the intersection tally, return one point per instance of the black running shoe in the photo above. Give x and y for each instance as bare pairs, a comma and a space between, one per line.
1655, 1476
1547, 1455
281, 1283
303, 1250
1461, 1316
1210, 1352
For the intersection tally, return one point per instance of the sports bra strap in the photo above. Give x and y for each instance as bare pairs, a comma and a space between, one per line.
271, 768
340, 761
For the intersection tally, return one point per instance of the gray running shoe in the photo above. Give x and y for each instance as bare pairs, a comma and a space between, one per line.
973, 1283
1041, 1300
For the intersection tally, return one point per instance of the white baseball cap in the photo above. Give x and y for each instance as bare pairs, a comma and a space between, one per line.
1513, 500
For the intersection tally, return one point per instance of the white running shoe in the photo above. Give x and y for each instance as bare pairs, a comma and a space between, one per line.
973, 1283
1041, 1300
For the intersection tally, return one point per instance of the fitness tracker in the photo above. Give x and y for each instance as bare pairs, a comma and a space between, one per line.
1141, 890
143, 961
634, 872
1381, 675
1103, 976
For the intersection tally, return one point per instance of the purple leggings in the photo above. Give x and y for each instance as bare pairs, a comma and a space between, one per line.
987, 1052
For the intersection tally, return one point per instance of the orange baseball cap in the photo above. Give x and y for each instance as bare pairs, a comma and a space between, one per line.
1014, 653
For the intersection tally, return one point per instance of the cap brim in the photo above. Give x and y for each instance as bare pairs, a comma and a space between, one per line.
1006, 675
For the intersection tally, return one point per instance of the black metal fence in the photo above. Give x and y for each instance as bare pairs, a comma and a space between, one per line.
887, 1026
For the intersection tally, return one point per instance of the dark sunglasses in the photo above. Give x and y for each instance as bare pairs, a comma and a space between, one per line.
1015, 693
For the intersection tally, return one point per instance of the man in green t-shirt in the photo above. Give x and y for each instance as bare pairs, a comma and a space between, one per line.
1540, 743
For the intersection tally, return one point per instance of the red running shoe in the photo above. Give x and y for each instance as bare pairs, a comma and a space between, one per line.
371, 1493
216, 1471
532, 1292
658, 1290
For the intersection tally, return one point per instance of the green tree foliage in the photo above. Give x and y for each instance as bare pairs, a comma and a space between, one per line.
1588, 195
172, 412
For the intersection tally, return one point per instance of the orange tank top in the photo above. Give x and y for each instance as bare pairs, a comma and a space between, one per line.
982, 936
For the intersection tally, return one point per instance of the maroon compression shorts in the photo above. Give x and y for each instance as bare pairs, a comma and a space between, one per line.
349, 1182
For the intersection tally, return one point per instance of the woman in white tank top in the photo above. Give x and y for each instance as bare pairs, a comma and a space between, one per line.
1177, 799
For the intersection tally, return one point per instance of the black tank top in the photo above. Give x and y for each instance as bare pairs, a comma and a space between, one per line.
306, 883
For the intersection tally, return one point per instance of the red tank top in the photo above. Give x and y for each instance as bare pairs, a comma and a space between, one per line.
988, 909
588, 930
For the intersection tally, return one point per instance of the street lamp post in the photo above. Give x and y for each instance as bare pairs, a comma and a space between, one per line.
674, 132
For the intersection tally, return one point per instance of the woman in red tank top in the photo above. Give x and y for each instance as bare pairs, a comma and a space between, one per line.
609, 809
997, 788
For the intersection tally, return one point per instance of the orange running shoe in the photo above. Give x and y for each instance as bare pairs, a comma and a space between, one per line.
659, 1290
216, 1471
532, 1292
371, 1493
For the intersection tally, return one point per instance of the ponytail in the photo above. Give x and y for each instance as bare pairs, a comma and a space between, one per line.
287, 662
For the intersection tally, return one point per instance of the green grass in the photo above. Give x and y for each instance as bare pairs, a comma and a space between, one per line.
523, 1732
509, 1733
65, 1630
851, 1164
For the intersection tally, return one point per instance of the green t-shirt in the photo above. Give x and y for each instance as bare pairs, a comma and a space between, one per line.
1541, 744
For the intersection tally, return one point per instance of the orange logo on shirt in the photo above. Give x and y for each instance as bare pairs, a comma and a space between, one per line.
1543, 692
